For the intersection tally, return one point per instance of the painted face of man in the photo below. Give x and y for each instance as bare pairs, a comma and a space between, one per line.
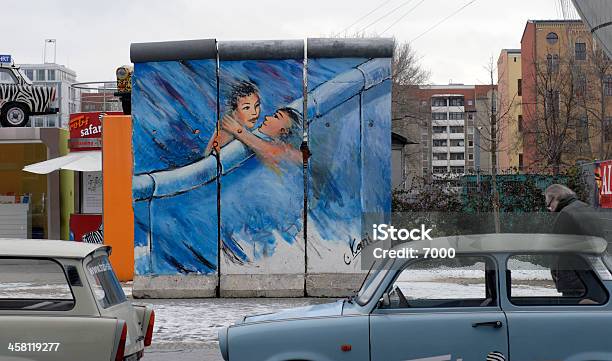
247, 110
276, 124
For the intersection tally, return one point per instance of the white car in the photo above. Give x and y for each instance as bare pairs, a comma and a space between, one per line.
61, 300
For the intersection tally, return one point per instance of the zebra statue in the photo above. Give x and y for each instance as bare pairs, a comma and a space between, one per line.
96, 236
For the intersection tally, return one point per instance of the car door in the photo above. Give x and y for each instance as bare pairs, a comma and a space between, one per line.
557, 307
441, 310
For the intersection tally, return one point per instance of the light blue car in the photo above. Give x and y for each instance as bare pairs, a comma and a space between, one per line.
524, 297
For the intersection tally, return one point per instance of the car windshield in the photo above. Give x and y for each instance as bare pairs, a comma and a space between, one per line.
105, 285
374, 278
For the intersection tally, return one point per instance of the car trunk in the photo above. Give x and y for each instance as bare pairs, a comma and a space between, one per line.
111, 300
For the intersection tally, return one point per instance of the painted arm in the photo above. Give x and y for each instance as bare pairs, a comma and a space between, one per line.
269, 152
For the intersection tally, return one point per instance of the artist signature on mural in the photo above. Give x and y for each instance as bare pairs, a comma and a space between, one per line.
355, 249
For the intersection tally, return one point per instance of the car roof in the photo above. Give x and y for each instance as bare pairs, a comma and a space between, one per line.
514, 243
47, 248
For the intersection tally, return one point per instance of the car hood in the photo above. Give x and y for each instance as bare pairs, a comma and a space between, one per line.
322, 310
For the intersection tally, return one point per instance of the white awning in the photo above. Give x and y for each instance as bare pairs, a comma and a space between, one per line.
87, 161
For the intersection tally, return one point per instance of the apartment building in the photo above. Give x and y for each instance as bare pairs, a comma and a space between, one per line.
446, 121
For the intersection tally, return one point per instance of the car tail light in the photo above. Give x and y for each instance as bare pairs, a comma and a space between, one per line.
121, 346
149, 333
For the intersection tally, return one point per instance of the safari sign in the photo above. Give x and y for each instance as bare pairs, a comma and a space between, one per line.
5, 58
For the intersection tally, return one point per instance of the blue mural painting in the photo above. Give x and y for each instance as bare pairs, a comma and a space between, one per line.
174, 118
186, 170
349, 127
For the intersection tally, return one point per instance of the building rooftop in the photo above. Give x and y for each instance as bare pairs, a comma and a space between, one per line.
49, 66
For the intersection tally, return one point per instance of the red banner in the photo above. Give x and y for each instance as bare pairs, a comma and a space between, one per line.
86, 130
603, 176
86, 228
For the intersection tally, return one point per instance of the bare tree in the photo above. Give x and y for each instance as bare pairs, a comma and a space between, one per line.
406, 68
491, 124
594, 101
556, 123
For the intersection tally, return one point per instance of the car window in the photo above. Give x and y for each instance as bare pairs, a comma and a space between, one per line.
33, 284
553, 279
6, 77
105, 285
464, 281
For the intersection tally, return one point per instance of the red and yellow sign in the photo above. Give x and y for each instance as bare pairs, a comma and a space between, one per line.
86, 130
603, 176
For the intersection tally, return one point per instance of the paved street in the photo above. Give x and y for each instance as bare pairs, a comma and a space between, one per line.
179, 353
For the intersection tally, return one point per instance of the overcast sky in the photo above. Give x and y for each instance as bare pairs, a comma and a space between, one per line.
93, 37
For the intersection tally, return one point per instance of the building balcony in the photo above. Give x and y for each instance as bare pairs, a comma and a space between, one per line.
440, 135
457, 149
439, 163
454, 136
456, 162
452, 122
439, 149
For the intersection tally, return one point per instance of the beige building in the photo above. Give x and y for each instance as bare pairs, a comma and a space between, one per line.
510, 109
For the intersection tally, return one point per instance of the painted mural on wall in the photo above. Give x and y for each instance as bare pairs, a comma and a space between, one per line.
249, 173
174, 118
349, 137
262, 197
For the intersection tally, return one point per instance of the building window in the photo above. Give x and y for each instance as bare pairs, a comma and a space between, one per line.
471, 156
470, 143
439, 129
51, 74
439, 142
440, 156
580, 84
552, 63
583, 129
40, 75
520, 161
6, 77
438, 170
457, 142
438, 102
425, 156
552, 104
424, 171
519, 85
438, 116
470, 116
29, 73
455, 115
457, 169
552, 38
520, 123
457, 156
470, 102
456, 102
608, 129
580, 51
608, 85
456, 129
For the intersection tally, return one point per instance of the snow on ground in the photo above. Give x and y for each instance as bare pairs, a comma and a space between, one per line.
198, 321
